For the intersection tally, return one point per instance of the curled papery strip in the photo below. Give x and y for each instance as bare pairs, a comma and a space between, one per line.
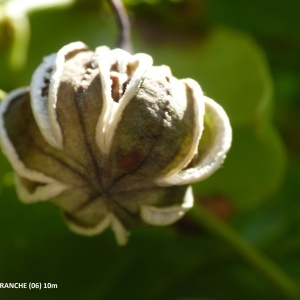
8, 147
110, 219
121, 233
162, 216
217, 148
54, 85
39, 91
30, 192
44, 87
192, 93
133, 68
89, 231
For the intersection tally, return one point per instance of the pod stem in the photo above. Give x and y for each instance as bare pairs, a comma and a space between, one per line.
124, 41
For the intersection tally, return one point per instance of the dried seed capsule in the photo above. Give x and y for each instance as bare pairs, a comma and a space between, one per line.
111, 139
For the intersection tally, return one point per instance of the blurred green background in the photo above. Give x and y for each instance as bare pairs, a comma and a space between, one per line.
246, 56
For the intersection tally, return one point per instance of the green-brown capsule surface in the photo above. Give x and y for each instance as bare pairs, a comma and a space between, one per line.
111, 139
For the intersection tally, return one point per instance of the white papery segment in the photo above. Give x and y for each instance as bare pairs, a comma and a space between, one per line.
163, 216
39, 103
8, 147
112, 111
214, 156
121, 233
104, 64
199, 110
51, 121
110, 219
90, 231
41, 193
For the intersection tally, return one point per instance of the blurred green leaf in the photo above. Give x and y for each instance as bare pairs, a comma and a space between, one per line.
157, 264
268, 19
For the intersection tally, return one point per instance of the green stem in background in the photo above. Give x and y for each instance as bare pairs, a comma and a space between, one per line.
2, 95
251, 254
15, 14
21, 36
